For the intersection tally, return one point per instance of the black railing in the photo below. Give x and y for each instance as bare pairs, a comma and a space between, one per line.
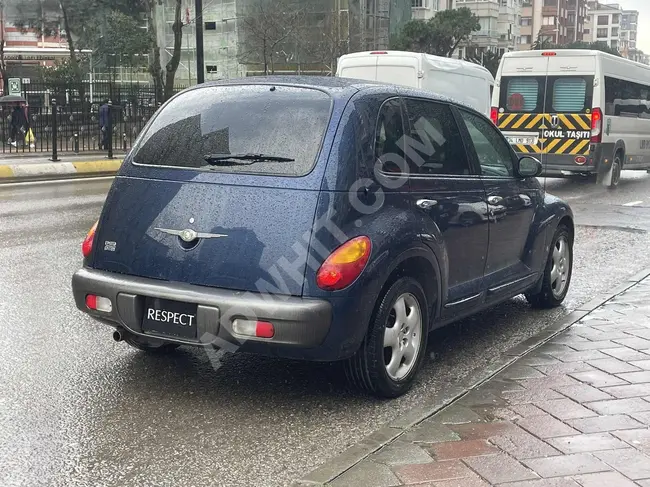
77, 130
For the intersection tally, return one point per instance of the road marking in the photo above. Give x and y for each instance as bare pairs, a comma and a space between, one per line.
633, 203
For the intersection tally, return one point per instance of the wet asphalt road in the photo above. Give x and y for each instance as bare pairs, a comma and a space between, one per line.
78, 409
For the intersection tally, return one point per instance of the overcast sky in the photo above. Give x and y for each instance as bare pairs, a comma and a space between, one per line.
643, 6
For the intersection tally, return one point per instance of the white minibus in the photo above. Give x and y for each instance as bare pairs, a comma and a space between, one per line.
582, 113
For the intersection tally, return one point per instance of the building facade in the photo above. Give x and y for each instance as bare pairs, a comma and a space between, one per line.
555, 21
616, 27
426, 9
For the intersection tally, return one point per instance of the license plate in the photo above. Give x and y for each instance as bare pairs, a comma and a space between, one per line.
173, 318
531, 140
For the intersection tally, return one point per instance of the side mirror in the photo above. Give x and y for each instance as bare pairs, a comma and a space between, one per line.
528, 167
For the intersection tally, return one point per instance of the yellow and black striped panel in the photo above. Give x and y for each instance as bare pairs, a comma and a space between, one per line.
569, 135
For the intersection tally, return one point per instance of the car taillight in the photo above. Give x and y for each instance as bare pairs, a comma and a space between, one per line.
344, 265
596, 126
87, 245
494, 115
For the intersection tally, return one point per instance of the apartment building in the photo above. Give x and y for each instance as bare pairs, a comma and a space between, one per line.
618, 28
556, 21
426, 9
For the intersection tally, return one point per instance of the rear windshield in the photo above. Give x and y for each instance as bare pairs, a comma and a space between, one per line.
274, 121
539, 94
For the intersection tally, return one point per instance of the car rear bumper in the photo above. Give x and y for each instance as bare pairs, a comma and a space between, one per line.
299, 323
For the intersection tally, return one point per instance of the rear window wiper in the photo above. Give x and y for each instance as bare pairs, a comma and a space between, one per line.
243, 159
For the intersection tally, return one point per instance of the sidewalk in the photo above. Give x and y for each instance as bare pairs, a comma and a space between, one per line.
574, 412
25, 167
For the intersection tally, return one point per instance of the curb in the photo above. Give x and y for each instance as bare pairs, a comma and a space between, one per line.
56, 170
339, 464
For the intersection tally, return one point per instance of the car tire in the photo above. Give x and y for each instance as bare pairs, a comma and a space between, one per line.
617, 167
150, 346
393, 350
557, 273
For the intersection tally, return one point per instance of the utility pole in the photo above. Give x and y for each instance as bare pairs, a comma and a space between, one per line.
200, 64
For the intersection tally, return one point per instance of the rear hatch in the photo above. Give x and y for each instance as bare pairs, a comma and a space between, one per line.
543, 113
242, 208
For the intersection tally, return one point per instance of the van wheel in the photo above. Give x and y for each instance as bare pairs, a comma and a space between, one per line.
394, 347
150, 346
557, 274
617, 167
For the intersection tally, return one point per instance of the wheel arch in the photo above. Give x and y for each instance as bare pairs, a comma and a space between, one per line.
423, 266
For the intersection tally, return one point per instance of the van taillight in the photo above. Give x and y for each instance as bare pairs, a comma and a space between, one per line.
87, 245
494, 115
344, 265
596, 126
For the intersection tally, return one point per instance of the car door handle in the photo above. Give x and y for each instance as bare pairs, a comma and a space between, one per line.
495, 200
426, 204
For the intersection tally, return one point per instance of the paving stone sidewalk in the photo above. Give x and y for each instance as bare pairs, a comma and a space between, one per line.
573, 413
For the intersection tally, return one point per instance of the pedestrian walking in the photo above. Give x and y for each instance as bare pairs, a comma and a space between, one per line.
103, 125
19, 125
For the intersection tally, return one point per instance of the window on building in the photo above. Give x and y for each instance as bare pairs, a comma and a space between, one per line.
587, 31
210, 26
211, 68
615, 19
526, 39
419, 3
526, 21
603, 20
602, 33
571, 18
548, 21
614, 31
613, 44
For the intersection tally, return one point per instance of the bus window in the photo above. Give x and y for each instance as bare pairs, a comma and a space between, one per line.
522, 94
569, 95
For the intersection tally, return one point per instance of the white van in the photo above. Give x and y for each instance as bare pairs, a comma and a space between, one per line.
581, 112
463, 81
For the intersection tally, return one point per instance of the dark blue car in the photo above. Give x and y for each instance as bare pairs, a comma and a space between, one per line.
320, 219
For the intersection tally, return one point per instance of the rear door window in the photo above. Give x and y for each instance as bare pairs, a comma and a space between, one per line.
569, 95
523, 94
235, 122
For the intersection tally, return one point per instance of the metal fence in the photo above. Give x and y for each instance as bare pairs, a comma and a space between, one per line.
73, 122
74, 130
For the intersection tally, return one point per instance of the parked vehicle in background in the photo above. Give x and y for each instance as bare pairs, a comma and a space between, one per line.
584, 113
279, 216
463, 81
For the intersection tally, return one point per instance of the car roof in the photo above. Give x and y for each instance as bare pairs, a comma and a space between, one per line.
335, 86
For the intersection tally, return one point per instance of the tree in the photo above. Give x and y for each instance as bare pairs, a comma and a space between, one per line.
488, 59
545, 44
327, 40
267, 26
46, 17
123, 38
440, 35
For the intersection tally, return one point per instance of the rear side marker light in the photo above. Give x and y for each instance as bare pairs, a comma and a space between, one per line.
253, 328
99, 303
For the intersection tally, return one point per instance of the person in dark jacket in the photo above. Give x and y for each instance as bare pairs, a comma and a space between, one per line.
103, 125
19, 125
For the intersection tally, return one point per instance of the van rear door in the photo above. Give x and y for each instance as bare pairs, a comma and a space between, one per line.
545, 109
219, 190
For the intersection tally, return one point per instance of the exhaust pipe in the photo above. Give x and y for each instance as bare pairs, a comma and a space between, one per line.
118, 335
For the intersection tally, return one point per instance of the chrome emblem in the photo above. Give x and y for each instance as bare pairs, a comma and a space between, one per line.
554, 121
189, 235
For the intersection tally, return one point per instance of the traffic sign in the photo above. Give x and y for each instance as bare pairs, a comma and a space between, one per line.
15, 86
